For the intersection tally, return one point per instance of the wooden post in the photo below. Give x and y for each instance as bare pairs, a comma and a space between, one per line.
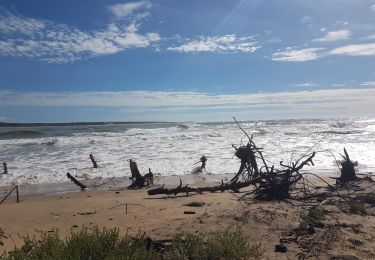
18, 196
10, 192
5, 168
126, 208
93, 161
82, 186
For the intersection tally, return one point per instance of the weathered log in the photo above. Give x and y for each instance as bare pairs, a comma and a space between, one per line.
93, 161
76, 182
234, 186
138, 179
5, 168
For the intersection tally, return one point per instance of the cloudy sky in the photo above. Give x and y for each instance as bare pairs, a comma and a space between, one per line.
96, 60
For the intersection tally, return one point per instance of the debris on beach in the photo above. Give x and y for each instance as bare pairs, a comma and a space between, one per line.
2, 235
95, 165
14, 188
139, 181
270, 183
347, 169
5, 168
76, 182
202, 167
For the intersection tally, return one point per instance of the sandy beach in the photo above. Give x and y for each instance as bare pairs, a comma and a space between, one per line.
163, 217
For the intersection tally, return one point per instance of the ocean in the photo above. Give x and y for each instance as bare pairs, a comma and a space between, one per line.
43, 154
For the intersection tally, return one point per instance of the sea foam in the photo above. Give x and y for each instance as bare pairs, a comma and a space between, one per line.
173, 149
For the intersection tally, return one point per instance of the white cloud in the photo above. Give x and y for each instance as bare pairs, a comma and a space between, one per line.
296, 55
355, 50
370, 37
124, 10
372, 8
340, 23
307, 84
225, 44
306, 19
59, 43
315, 103
334, 36
368, 84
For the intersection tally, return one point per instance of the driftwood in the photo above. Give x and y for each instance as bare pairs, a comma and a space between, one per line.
233, 186
347, 169
2, 235
10, 192
82, 186
87, 213
139, 181
270, 183
5, 168
149, 177
93, 161
202, 167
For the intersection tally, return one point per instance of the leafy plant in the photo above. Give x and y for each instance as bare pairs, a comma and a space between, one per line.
312, 218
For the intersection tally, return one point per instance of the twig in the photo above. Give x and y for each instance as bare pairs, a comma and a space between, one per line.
8, 194
126, 204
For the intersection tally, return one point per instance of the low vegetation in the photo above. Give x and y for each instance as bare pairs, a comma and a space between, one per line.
313, 218
108, 244
195, 204
369, 199
357, 208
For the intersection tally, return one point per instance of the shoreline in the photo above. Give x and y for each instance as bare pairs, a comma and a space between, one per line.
100, 184
163, 217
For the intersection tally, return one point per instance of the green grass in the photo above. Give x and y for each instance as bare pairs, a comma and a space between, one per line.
227, 245
108, 244
357, 208
195, 204
312, 218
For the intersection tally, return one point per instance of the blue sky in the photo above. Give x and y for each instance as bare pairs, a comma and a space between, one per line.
167, 60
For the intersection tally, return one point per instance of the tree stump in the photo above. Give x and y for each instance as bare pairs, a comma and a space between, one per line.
93, 161
347, 169
5, 168
138, 179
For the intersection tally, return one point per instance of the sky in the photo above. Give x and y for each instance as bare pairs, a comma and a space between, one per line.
186, 60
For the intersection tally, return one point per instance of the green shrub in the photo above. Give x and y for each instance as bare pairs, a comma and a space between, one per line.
357, 208
108, 244
312, 218
227, 245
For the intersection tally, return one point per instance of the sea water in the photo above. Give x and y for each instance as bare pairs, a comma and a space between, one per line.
43, 154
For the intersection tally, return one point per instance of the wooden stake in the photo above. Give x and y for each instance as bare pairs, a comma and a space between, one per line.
82, 186
5, 168
93, 161
10, 192
18, 196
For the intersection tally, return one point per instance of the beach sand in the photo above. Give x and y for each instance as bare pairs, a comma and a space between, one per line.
163, 217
